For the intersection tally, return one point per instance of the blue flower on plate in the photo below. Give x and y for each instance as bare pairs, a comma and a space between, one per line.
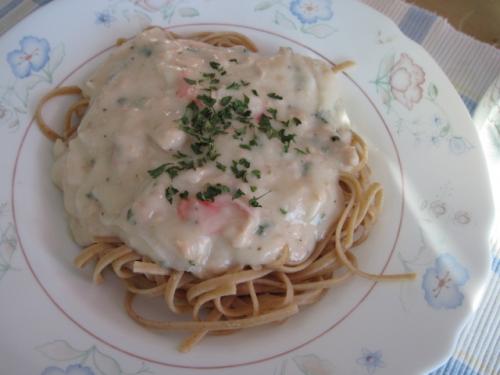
104, 18
441, 283
371, 360
31, 57
311, 11
70, 370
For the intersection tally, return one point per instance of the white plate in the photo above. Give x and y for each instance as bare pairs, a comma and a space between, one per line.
423, 148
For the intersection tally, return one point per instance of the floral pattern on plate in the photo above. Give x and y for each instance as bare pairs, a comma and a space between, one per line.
370, 360
143, 11
441, 283
404, 89
91, 361
33, 63
311, 17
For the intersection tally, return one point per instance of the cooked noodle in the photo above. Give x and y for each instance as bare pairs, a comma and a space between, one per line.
242, 297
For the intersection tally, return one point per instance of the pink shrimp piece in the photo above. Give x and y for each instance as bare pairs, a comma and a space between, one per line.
213, 217
185, 90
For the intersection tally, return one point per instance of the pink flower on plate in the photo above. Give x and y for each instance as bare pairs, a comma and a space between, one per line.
406, 79
153, 5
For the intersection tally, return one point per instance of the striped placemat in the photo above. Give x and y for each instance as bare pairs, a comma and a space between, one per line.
471, 66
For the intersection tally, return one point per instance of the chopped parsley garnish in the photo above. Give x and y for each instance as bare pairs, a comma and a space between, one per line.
190, 81
254, 202
238, 193
156, 172
207, 100
130, 214
273, 95
335, 138
240, 173
211, 192
302, 152
244, 162
214, 65
180, 155
266, 127
234, 61
256, 173
170, 193
233, 86
283, 211
221, 166
206, 118
285, 139
225, 100
192, 263
208, 76
262, 228
273, 112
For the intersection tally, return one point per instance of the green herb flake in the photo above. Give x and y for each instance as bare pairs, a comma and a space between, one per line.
192, 263
255, 92
296, 121
273, 112
170, 193
244, 83
261, 229
221, 166
238, 173
214, 65
233, 86
234, 61
302, 152
238, 193
245, 146
273, 95
130, 214
179, 155
225, 100
254, 202
156, 172
244, 162
212, 191
256, 173
207, 100
190, 81
283, 211
335, 138
253, 188
184, 194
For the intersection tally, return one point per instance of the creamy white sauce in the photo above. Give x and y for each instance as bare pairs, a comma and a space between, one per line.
132, 126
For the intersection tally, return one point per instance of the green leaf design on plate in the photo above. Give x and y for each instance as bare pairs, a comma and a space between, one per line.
60, 350
263, 5
105, 364
385, 66
320, 30
188, 12
282, 20
432, 91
